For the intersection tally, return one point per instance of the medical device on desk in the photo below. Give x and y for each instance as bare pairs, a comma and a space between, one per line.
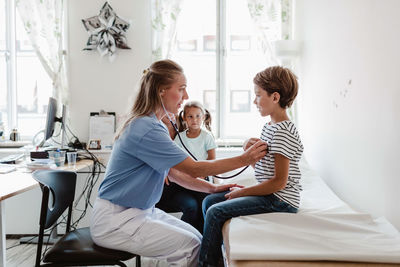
180, 139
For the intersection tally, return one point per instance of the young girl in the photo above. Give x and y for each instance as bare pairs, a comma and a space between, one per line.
278, 172
200, 143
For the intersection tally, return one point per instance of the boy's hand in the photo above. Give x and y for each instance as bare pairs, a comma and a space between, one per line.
255, 152
249, 142
224, 187
235, 192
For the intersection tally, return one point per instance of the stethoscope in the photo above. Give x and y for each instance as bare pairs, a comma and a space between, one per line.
190, 153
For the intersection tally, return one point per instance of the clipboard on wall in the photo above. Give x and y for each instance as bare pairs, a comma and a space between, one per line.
102, 127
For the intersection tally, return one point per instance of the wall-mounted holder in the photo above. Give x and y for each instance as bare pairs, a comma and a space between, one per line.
106, 32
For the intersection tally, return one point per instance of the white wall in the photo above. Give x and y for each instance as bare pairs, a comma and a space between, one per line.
95, 83
351, 129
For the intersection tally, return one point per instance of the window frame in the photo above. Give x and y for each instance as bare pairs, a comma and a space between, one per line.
11, 63
221, 66
15, 51
223, 44
165, 26
221, 51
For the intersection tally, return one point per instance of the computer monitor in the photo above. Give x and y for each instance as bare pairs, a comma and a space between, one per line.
51, 119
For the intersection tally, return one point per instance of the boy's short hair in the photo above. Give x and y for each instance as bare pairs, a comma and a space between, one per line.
281, 80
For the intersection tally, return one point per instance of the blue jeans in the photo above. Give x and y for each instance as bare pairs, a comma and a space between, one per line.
217, 210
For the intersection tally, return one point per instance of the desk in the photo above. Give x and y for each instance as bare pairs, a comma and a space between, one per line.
17, 182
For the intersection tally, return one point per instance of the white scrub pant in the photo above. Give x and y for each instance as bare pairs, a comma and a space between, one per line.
149, 233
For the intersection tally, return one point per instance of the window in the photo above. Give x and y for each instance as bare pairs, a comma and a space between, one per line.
220, 63
24, 85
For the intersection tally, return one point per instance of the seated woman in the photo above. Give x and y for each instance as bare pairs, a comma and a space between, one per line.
143, 155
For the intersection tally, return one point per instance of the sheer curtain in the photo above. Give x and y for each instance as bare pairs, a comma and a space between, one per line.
43, 21
164, 17
267, 20
273, 20
286, 9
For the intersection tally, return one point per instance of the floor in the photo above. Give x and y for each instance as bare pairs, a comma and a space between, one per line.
24, 256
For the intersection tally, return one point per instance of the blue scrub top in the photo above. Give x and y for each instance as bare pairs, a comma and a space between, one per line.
139, 162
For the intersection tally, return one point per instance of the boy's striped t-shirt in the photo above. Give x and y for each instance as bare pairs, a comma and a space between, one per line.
282, 138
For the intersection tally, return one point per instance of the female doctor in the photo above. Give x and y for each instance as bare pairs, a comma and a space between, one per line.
124, 216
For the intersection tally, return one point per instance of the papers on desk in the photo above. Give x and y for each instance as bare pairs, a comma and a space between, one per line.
33, 166
6, 168
102, 127
43, 161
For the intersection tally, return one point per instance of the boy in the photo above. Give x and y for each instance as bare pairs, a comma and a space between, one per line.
277, 173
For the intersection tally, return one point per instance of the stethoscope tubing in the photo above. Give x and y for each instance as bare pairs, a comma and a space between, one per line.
190, 153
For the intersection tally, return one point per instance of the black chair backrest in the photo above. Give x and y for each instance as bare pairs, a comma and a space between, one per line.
61, 186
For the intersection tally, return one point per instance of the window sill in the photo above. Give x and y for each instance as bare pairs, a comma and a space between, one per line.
229, 143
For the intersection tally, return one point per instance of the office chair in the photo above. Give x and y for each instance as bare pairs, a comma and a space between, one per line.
75, 248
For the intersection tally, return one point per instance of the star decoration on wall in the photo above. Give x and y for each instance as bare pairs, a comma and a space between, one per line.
106, 32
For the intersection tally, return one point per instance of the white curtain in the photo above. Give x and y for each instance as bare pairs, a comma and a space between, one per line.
43, 21
266, 18
286, 18
272, 20
164, 17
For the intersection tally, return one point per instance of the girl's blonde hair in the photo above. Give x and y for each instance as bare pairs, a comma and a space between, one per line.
160, 75
194, 104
